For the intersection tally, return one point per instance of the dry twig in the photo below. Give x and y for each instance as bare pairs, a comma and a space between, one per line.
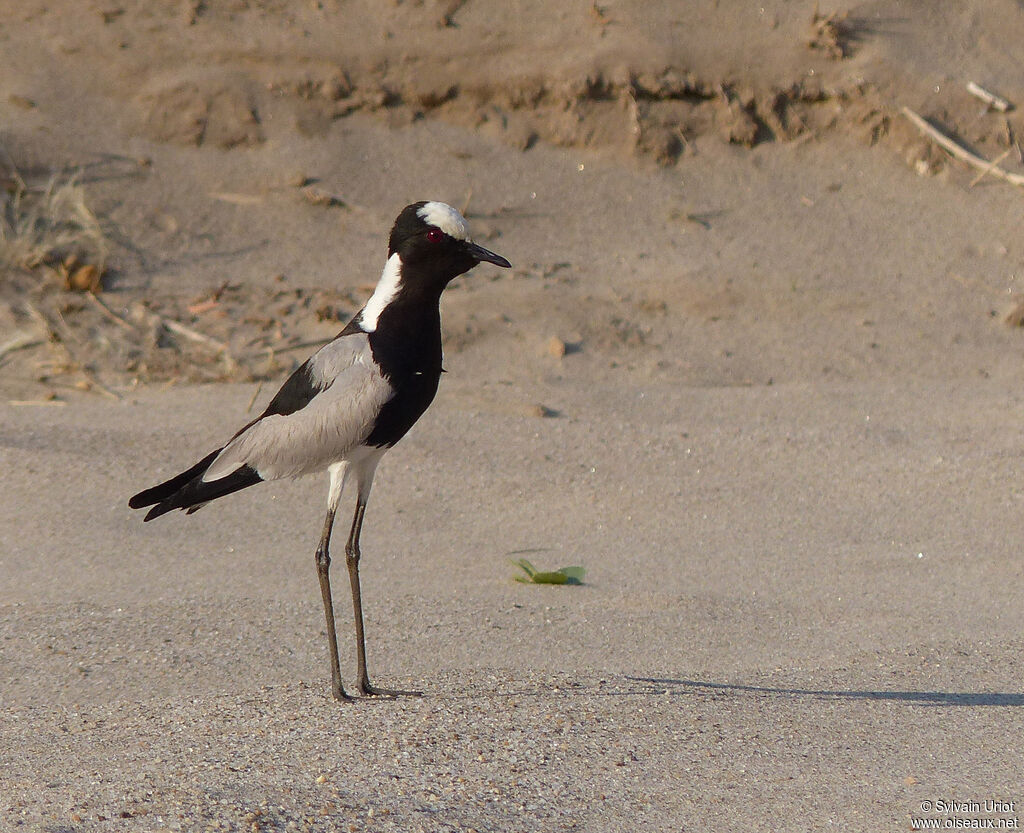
990, 167
236, 198
961, 152
255, 394
180, 329
109, 313
20, 341
991, 99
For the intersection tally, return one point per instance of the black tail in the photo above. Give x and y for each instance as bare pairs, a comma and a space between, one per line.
188, 490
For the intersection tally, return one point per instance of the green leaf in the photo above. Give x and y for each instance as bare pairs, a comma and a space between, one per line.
550, 578
573, 575
526, 567
564, 575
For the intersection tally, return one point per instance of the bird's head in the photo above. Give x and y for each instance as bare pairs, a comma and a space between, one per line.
432, 239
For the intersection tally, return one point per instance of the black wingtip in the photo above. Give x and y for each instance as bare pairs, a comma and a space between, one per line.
139, 500
195, 493
162, 491
155, 512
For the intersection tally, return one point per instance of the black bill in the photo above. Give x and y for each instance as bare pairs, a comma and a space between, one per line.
482, 254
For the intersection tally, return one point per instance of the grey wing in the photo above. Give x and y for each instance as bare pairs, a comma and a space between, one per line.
318, 372
346, 393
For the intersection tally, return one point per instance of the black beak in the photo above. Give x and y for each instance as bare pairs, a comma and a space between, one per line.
482, 254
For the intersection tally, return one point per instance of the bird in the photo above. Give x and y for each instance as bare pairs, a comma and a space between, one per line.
348, 403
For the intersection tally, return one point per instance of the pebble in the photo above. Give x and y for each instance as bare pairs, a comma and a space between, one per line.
555, 347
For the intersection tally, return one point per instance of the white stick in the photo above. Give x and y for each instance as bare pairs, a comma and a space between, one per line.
107, 311
959, 152
20, 342
187, 332
991, 99
990, 167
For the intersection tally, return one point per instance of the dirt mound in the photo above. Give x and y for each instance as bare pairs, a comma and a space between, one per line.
226, 95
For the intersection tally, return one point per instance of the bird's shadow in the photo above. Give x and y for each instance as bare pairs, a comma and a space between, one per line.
929, 698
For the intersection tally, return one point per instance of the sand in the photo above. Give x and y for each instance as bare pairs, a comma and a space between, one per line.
751, 370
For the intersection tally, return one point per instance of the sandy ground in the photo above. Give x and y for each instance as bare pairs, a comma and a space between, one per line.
783, 438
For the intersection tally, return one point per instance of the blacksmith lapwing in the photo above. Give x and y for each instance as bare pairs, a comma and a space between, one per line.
349, 402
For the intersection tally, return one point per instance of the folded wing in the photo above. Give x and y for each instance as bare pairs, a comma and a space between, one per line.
322, 413
326, 430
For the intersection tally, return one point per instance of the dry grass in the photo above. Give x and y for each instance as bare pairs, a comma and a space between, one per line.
49, 226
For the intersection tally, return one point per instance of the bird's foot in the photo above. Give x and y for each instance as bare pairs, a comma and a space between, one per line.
369, 690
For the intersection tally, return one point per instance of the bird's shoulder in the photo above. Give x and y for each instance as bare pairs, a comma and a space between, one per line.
324, 409
319, 371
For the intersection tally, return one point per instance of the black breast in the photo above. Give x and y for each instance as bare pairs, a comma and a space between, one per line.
407, 348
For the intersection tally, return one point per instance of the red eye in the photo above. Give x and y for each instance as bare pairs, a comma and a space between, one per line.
434, 235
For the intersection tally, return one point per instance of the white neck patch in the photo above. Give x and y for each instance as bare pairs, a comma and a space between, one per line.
387, 288
446, 218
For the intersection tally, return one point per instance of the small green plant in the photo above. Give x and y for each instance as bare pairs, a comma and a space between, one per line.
563, 575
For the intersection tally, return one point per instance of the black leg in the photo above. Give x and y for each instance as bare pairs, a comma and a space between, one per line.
352, 559
323, 568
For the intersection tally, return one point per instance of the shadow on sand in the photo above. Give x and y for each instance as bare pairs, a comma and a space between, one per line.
932, 698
